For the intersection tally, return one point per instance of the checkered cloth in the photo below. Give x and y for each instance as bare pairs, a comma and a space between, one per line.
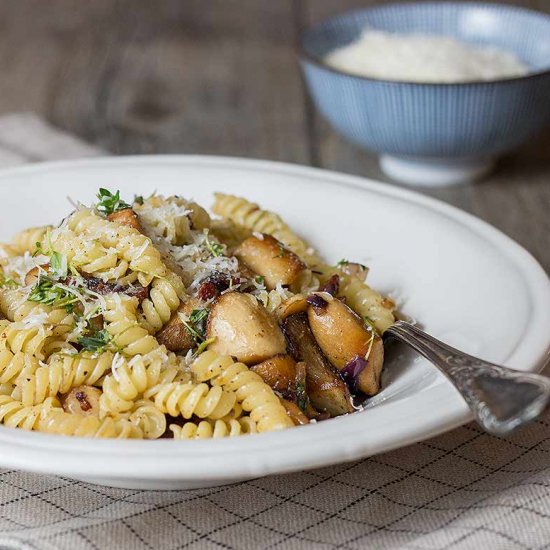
462, 490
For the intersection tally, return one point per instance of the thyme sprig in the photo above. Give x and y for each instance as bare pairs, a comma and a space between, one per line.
196, 324
49, 292
216, 249
95, 341
110, 202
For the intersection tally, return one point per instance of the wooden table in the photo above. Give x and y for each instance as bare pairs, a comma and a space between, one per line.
218, 77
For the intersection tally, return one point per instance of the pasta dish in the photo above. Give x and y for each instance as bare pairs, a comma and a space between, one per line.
157, 319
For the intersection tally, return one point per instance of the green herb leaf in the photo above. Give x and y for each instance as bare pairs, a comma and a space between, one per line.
95, 341
196, 324
138, 199
59, 265
7, 282
282, 250
302, 399
204, 345
260, 279
49, 292
216, 249
109, 203
38, 250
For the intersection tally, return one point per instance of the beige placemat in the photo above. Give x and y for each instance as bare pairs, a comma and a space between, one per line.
463, 490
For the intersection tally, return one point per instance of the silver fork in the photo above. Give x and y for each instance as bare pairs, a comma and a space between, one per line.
502, 399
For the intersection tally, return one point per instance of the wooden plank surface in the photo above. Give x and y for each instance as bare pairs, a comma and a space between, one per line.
218, 77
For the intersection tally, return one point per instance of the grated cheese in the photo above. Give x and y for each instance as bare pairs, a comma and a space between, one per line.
118, 362
423, 58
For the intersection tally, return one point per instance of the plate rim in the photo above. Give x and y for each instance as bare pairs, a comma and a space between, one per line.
202, 456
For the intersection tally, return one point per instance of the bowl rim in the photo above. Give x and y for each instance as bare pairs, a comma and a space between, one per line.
306, 57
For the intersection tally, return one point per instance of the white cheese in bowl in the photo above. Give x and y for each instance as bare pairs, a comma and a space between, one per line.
423, 58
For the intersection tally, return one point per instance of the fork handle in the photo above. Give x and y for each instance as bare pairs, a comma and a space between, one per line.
500, 398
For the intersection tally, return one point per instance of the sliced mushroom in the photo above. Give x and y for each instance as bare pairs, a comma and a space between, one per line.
325, 388
268, 257
342, 336
82, 400
175, 335
244, 329
295, 304
126, 217
31, 277
294, 412
279, 372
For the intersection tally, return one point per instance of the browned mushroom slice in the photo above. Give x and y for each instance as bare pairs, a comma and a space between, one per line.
325, 388
126, 217
244, 329
295, 304
294, 412
175, 335
32, 276
82, 400
268, 257
279, 372
345, 341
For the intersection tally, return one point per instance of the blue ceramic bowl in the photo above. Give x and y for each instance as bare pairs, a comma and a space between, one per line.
435, 133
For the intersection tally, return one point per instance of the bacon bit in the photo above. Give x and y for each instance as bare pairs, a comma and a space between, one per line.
104, 287
82, 399
208, 291
126, 217
214, 285
332, 286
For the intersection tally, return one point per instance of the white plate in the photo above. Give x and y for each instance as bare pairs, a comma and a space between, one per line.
464, 281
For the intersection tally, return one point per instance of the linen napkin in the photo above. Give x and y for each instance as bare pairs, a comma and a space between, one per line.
462, 490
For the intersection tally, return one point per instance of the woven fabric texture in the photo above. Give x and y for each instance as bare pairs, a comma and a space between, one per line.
461, 490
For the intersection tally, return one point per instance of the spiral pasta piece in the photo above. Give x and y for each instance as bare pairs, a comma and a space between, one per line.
165, 296
7, 251
229, 232
15, 306
123, 326
254, 395
25, 241
272, 299
130, 245
208, 429
62, 423
171, 218
188, 399
128, 380
16, 415
13, 365
31, 340
148, 419
251, 216
61, 373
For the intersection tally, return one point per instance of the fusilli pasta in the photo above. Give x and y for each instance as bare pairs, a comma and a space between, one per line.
251, 216
61, 373
254, 395
126, 315
208, 429
26, 240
